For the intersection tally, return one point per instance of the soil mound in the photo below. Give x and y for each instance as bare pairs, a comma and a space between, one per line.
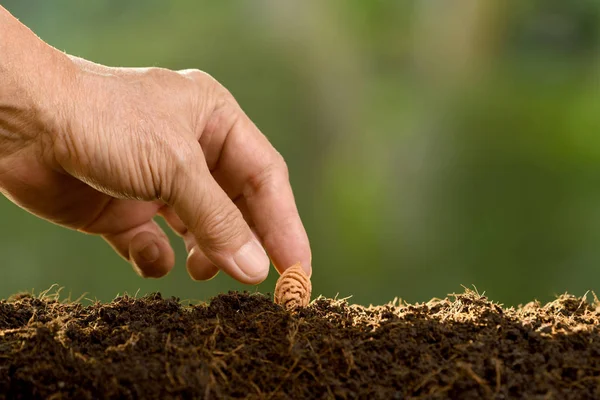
244, 346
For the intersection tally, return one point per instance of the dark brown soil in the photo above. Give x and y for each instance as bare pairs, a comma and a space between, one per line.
243, 345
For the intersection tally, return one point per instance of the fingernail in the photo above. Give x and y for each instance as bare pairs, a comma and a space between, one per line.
252, 259
150, 253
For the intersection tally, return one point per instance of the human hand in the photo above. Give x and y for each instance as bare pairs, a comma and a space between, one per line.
104, 150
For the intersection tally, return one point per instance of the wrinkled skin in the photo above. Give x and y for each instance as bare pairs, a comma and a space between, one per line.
104, 150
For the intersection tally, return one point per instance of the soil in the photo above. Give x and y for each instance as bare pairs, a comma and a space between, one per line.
242, 345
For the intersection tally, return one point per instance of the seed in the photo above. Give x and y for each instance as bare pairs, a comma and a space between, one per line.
293, 288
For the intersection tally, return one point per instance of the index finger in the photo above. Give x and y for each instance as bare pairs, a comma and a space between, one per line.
248, 165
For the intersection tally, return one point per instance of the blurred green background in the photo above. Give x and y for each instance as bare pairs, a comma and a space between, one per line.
430, 143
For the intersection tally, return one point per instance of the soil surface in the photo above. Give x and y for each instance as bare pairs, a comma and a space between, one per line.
243, 345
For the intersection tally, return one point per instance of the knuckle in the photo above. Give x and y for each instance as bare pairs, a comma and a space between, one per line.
207, 94
197, 75
155, 72
207, 82
219, 228
270, 178
202, 80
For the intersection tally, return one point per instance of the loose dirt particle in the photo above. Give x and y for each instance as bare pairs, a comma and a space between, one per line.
293, 288
244, 346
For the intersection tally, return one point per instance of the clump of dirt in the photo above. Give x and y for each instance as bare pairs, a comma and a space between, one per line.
244, 345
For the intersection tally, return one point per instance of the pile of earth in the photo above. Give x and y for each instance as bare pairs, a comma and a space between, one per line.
244, 346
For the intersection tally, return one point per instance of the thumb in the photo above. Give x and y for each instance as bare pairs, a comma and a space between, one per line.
214, 220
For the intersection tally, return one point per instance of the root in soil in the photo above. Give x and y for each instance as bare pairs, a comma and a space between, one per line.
244, 345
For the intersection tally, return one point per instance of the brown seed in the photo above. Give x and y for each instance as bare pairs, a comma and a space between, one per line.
293, 288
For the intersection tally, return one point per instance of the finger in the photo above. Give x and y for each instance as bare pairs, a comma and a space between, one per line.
240, 203
271, 203
249, 166
199, 267
128, 227
215, 222
173, 220
147, 247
